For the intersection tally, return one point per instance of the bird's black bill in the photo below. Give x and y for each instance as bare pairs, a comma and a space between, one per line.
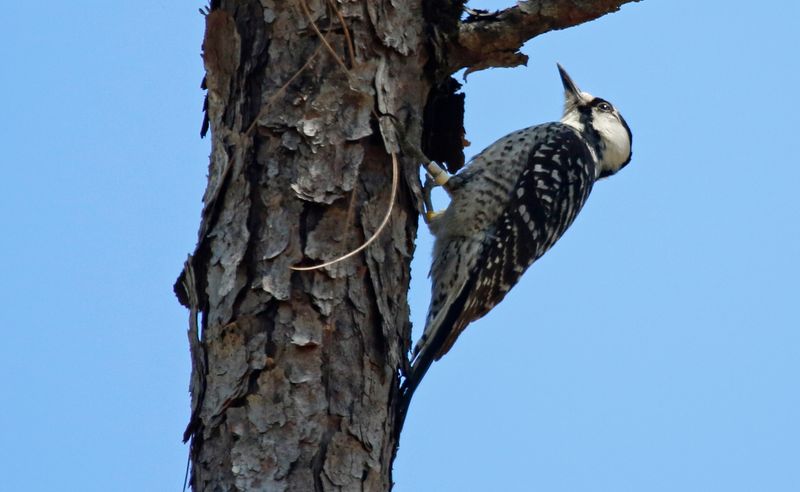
569, 85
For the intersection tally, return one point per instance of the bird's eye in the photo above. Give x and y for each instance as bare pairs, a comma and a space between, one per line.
604, 107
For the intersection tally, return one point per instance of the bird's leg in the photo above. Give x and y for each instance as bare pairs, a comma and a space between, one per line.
426, 199
439, 176
435, 176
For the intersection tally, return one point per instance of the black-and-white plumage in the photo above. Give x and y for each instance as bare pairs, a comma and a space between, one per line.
508, 207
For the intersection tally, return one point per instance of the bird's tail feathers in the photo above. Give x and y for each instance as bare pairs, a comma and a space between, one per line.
443, 326
441, 333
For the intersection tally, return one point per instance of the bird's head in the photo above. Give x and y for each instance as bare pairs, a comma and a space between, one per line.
600, 123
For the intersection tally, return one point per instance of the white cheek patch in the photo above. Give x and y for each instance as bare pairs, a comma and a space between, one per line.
616, 140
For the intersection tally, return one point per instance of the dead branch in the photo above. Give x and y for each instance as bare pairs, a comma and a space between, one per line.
494, 40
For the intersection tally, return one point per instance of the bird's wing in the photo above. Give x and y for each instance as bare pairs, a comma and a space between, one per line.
471, 274
546, 199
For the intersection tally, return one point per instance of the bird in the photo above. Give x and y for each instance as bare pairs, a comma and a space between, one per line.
508, 206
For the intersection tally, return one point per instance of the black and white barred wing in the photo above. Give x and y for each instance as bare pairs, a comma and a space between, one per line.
548, 195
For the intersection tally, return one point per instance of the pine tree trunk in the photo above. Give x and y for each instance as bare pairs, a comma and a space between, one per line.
295, 373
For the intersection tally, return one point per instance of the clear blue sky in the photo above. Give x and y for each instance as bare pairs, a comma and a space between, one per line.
655, 348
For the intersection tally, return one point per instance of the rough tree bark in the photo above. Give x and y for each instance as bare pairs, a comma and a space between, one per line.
295, 374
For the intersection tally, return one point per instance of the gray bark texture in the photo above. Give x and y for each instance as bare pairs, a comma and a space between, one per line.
295, 373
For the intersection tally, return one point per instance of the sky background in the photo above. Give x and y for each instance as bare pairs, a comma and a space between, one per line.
655, 348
